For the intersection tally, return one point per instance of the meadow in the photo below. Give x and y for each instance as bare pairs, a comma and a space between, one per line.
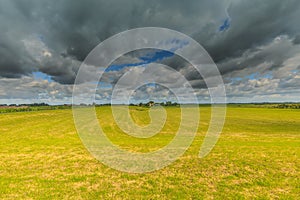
256, 157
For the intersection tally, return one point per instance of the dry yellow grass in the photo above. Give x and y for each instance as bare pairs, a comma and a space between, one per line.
257, 156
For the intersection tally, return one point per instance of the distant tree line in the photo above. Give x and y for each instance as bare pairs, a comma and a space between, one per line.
22, 105
5, 108
268, 105
152, 103
287, 106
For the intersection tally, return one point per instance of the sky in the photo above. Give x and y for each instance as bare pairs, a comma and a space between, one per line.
255, 45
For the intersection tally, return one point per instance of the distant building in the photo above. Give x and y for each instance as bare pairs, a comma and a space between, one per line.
151, 103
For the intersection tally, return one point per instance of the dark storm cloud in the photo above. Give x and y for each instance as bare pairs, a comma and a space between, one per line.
14, 59
297, 40
273, 55
243, 37
73, 28
254, 23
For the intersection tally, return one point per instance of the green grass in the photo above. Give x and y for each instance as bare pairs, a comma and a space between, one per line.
256, 157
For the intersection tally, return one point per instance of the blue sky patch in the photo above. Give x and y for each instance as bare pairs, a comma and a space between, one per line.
267, 75
225, 25
102, 84
252, 76
236, 79
257, 75
156, 56
147, 59
150, 84
41, 75
152, 57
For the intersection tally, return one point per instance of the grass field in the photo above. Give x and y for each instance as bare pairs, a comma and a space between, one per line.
256, 157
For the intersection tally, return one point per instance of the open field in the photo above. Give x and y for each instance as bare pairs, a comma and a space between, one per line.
257, 156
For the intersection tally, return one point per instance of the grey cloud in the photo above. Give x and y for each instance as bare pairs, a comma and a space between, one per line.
72, 29
263, 37
33, 89
261, 59
254, 23
297, 40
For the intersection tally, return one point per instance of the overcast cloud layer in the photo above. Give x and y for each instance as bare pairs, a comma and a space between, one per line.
255, 44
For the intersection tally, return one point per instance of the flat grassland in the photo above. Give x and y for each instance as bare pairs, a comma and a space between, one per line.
256, 157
